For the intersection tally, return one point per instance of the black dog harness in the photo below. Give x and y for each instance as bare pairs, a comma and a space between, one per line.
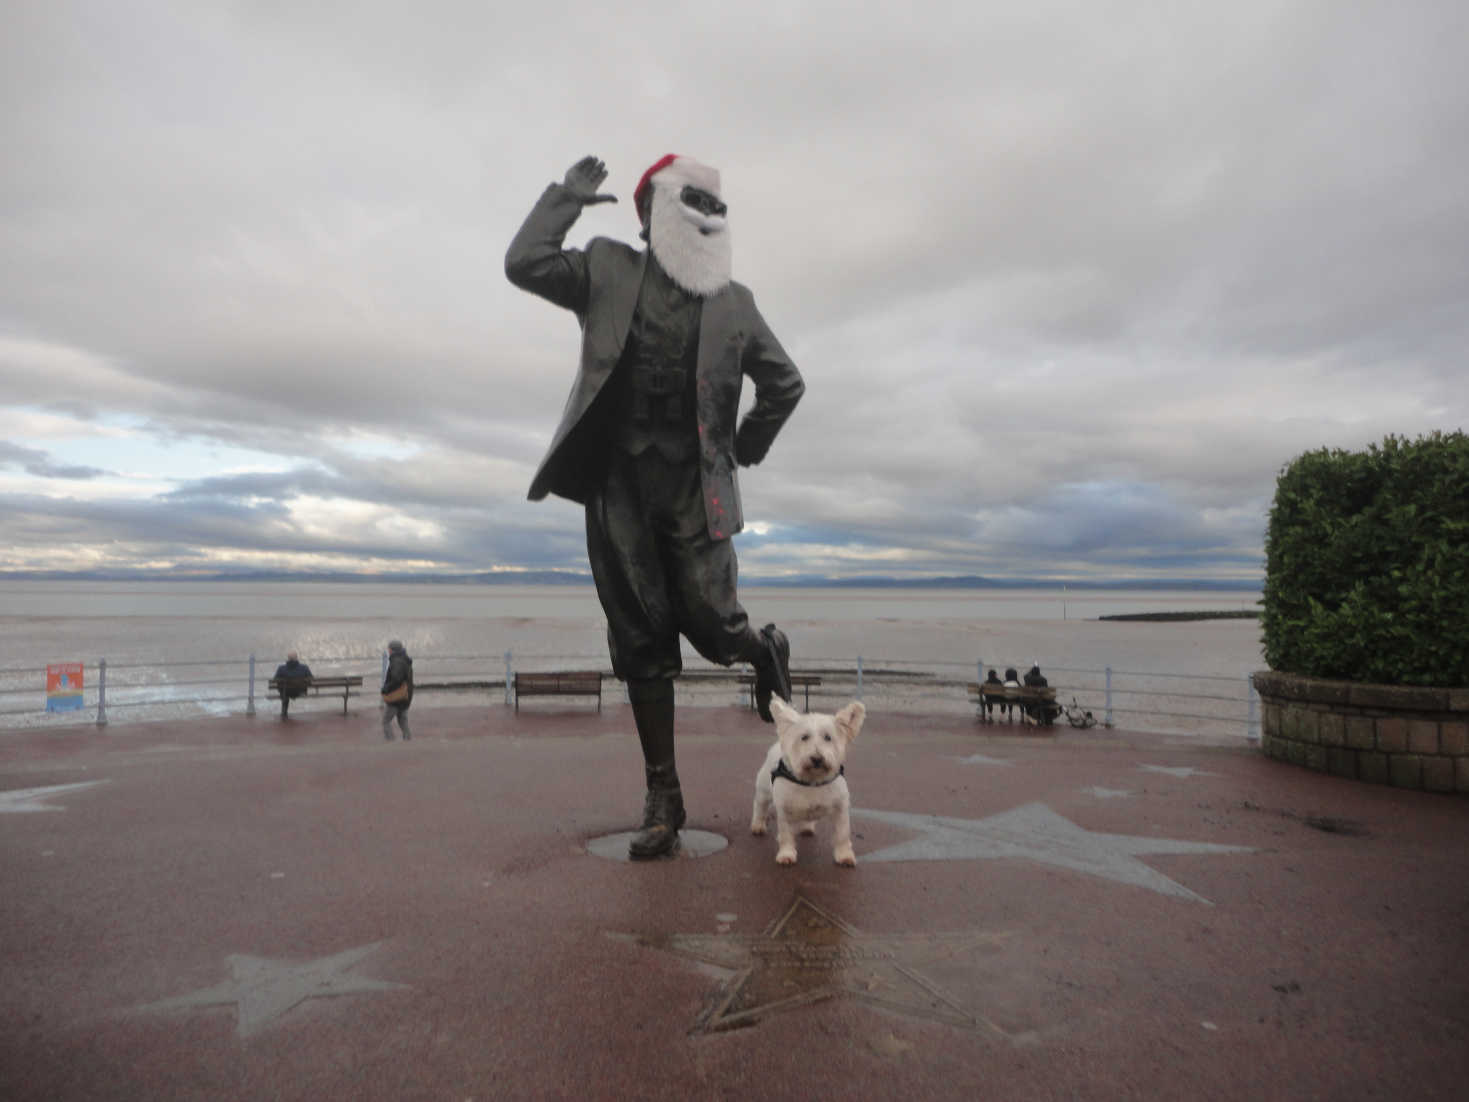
784, 770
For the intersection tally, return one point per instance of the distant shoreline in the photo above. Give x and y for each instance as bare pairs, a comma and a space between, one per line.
1234, 614
578, 578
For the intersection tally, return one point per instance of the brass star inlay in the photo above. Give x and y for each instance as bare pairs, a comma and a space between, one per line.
808, 955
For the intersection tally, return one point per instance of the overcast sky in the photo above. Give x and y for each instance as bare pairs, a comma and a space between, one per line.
1069, 282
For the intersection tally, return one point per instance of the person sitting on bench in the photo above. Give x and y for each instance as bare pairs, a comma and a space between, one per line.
292, 679
993, 681
1012, 681
1040, 711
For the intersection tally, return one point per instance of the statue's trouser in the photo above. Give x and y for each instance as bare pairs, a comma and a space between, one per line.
660, 575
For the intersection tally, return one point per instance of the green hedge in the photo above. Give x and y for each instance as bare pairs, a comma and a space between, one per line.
1367, 564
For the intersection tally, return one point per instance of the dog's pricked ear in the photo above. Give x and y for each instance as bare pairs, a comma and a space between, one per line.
851, 718
784, 714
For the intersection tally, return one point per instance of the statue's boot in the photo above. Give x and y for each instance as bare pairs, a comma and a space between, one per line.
663, 810
772, 664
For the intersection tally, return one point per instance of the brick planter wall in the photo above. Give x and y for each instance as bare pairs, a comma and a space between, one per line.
1401, 735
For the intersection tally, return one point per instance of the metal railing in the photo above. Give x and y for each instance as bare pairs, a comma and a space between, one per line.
1155, 701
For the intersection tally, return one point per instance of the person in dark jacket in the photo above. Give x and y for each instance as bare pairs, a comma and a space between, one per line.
992, 682
651, 437
399, 675
292, 678
1040, 711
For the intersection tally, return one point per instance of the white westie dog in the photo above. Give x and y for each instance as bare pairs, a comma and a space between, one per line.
802, 778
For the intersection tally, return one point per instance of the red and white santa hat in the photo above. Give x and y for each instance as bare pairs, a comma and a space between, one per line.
675, 172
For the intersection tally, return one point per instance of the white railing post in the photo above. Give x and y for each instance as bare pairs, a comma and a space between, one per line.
1109, 697
508, 678
250, 696
102, 692
1252, 730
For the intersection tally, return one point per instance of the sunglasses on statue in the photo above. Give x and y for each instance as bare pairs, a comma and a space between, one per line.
700, 200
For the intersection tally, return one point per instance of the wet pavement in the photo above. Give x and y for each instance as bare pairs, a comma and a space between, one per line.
245, 908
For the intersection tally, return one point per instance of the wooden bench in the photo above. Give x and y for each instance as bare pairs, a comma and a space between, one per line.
1037, 702
798, 680
563, 683
316, 684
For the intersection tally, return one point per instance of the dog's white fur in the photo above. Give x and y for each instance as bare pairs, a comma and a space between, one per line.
814, 747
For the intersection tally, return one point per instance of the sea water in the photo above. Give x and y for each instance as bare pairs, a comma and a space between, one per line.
192, 641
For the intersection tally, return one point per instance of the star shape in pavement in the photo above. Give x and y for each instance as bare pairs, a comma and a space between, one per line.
1177, 770
807, 955
1107, 793
1034, 832
35, 799
982, 759
264, 989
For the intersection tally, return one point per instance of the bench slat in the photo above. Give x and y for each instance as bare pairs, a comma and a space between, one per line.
798, 680
1023, 692
346, 683
559, 683
1024, 697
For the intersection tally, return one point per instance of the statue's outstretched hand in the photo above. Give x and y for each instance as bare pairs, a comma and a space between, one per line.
584, 178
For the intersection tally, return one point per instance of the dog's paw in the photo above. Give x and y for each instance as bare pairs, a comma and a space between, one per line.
786, 857
807, 831
845, 857
757, 827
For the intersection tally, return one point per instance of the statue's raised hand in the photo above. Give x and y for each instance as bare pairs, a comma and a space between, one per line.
584, 178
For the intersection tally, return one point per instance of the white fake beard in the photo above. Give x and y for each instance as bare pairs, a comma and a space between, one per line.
698, 262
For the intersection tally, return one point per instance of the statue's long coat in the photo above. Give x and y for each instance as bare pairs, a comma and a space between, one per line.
600, 285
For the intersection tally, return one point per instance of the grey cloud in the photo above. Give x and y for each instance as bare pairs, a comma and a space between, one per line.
37, 462
1024, 254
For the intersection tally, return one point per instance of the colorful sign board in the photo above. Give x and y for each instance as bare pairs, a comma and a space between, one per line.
64, 686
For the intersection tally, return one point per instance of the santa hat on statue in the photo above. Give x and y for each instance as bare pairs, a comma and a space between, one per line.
673, 172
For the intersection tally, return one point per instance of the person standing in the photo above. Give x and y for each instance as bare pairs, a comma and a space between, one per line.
397, 690
292, 679
651, 436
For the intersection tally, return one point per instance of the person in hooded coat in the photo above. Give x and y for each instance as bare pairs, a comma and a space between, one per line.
293, 679
399, 674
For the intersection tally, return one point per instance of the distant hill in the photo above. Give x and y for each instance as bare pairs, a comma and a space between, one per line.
583, 578
1180, 617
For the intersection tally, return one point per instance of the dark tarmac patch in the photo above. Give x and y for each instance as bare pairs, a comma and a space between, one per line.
1327, 824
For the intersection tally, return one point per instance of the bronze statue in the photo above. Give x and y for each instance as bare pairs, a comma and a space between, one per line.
648, 442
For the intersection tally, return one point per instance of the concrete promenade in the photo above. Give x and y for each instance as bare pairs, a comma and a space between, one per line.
247, 909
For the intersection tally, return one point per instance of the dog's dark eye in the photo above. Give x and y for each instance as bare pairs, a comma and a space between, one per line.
806, 737
826, 737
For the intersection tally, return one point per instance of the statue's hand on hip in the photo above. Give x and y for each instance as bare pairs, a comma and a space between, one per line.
584, 178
